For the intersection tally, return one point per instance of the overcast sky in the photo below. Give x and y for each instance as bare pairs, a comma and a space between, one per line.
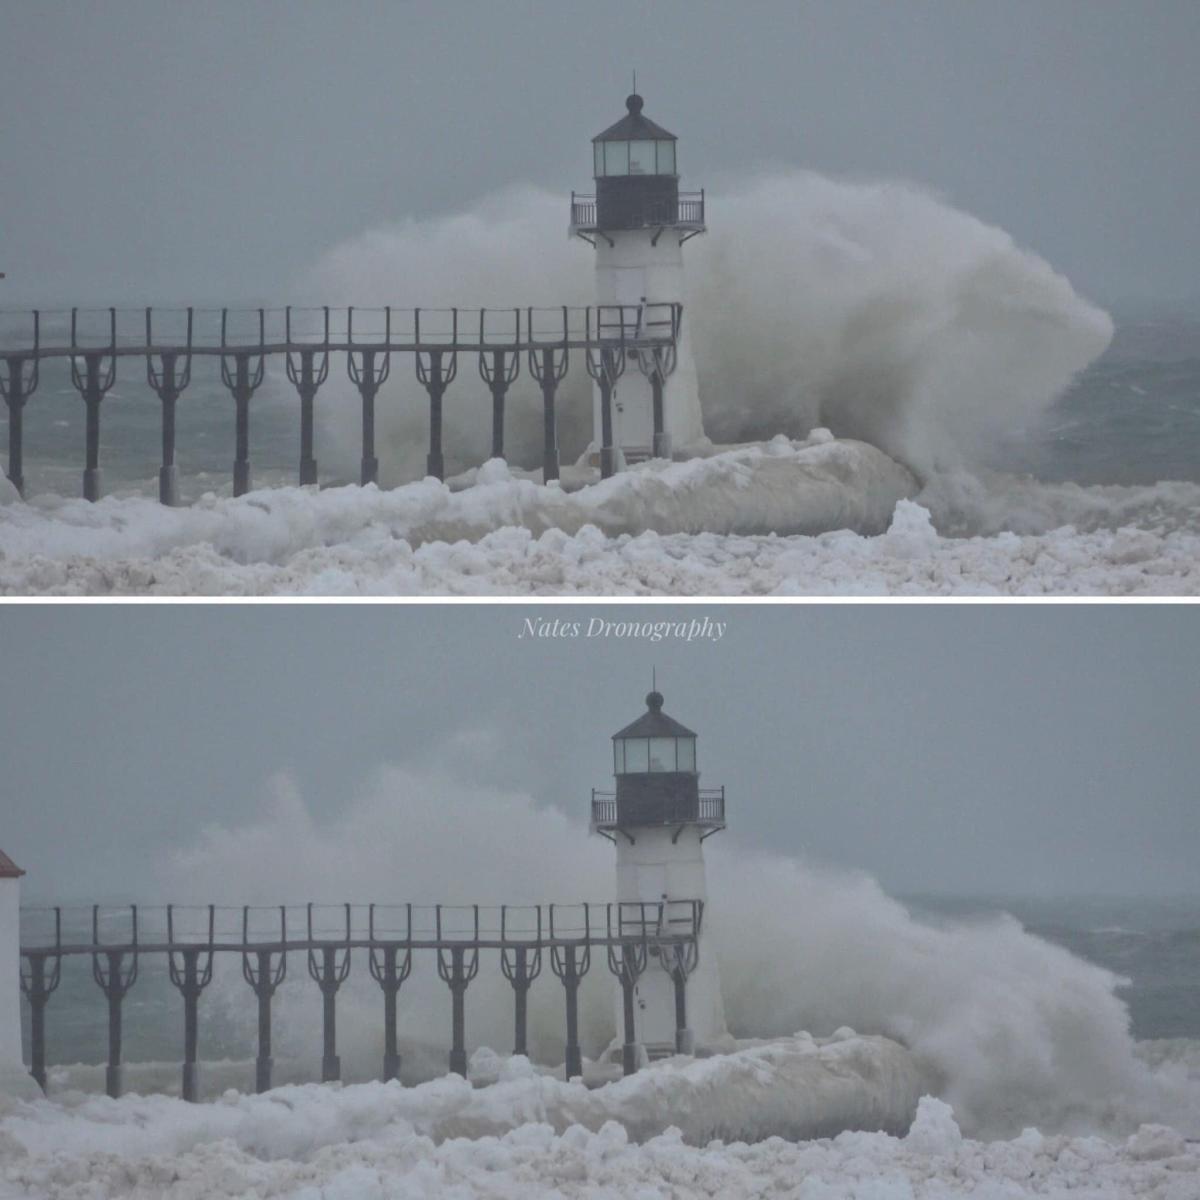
1006, 750
158, 150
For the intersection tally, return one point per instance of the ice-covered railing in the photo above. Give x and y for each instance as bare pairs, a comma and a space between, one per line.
455, 939
95, 341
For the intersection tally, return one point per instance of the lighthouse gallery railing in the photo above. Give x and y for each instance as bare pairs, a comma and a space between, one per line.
390, 938
685, 211
707, 809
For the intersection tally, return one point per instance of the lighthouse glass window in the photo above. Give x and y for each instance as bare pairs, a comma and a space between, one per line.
641, 158
633, 755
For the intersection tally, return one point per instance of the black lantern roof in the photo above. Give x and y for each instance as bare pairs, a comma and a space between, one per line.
633, 127
654, 722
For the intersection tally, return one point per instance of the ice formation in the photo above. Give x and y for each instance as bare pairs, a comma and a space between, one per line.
631, 536
529, 1137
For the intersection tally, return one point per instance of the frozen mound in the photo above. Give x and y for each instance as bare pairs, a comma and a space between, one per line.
782, 487
353, 1142
348, 543
790, 1087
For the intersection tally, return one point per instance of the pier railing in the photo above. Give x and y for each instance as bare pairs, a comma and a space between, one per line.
327, 939
98, 342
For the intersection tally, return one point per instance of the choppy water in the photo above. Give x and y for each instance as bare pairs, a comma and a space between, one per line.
1155, 944
1133, 417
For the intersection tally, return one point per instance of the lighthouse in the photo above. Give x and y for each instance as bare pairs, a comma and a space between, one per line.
658, 818
638, 221
15, 1079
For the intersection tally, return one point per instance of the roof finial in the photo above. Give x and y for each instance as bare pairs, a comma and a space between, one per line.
635, 79
654, 701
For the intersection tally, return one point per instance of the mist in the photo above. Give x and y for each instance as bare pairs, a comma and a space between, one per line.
930, 336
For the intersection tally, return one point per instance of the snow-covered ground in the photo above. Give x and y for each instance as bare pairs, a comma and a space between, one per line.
760, 1122
820, 516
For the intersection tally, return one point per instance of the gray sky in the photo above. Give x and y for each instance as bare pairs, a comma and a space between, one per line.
1007, 749
154, 149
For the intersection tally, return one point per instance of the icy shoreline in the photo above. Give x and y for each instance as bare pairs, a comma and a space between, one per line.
651, 1135
819, 517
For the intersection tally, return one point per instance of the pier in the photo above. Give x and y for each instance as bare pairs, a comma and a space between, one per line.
548, 341
629, 938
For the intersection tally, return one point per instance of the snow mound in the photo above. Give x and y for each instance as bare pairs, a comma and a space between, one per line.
746, 521
528, 1136
344, 539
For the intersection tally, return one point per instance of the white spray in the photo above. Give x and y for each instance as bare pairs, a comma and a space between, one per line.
1018, 1030
876, 309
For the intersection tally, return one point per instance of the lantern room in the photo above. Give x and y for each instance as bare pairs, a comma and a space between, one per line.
658, 782
636, 168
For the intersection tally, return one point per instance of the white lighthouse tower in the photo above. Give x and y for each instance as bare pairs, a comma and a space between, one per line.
638, 221
658, 819
15, 1079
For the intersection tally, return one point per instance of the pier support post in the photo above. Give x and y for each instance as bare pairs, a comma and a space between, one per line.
456, 977
168, 381
264, 976
521, 965
93, 383
37, 986
115, 970
606, 365
458, 964
548, 364
679, 960
570, 961
436, 372
662, 439
657, 365
191, 1025
190, 978
307, 369
115, 976
627, 961
516, 966
113, 1071
368, 374
570, 964
629, 1047
499, 368
329, 972
18, 381
331, 1064
390, 965
608, 454
242, 380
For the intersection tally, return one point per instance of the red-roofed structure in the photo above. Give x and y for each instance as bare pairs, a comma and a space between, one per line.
8, 868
